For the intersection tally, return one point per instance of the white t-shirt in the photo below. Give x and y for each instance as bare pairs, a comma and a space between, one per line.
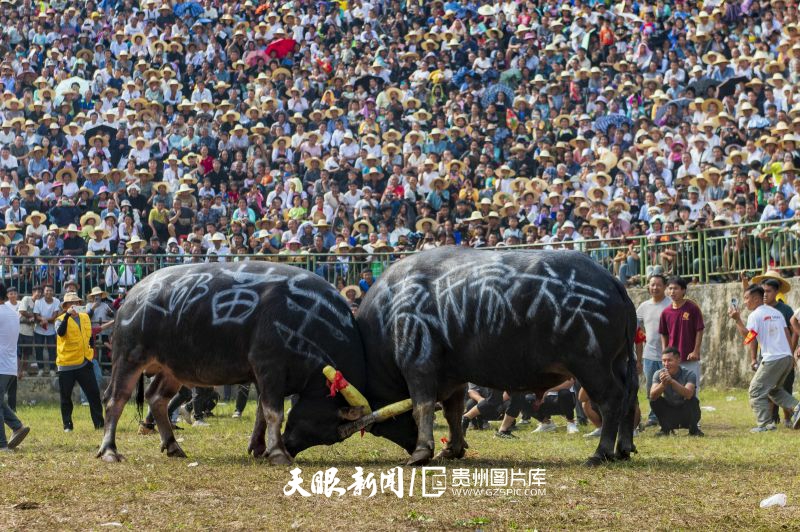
766, 326
649, 314
47, 311
9, 332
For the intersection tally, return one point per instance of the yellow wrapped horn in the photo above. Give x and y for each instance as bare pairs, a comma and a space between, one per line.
349, 392
392, 410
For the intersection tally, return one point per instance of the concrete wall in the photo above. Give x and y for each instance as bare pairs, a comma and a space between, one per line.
724, 360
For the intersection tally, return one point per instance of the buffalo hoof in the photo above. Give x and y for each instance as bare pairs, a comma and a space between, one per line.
110, 456
279, 458
450, 454
420, 457
257, 449
624, 454
597, 460
176, 452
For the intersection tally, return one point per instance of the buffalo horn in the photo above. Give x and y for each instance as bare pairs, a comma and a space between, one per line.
348, 391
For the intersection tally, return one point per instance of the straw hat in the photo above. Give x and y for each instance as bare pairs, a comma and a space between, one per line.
134, 240
349, 287
97, 291
71, 298
773, 274
475, 217
35, 214
422, 221
364, 221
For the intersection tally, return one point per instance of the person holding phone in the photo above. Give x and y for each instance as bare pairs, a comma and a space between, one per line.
74, 355
766, 328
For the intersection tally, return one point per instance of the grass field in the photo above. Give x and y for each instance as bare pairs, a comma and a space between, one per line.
54, 482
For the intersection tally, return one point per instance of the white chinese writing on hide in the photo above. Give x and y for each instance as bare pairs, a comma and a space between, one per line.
486, 298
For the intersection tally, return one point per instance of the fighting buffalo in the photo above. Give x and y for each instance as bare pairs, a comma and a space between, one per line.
512, 320
228, 323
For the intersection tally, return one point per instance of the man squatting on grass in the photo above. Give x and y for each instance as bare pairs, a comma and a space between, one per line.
766, 328
9, 333
673, 397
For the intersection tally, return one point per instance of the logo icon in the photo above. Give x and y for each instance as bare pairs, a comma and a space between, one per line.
434, 481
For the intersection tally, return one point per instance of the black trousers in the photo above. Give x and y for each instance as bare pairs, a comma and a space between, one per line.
184, 395
683, 416
200, 400
12, 393
242, 394
788, 384
84, 376
562, 404
491, 407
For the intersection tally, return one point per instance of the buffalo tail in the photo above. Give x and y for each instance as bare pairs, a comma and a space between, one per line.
140, 397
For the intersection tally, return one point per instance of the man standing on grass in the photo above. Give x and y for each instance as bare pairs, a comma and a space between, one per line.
773, 285
9, 333
766, 328
74, 356
681, 326
649, 316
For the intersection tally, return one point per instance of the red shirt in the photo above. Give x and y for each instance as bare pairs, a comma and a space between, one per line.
680, 325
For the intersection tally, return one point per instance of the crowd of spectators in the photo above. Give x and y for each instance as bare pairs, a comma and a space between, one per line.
215, 128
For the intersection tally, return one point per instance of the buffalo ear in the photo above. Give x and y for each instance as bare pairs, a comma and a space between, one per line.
351, 413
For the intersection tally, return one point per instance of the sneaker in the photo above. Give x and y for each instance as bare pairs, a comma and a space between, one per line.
6, 450
465, 421
651, 423
594, 434
763, 428
524, 422
796, 417
187, 417
200, 423
67, 430
545, 427
572, 428
505, 434
484, 425
236, 415
17, 436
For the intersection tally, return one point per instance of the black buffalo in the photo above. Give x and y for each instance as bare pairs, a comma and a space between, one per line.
229, 323
510, 320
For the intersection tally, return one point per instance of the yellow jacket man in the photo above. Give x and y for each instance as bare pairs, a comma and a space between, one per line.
74, 356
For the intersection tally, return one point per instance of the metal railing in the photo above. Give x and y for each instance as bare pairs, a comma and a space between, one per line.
708, 255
